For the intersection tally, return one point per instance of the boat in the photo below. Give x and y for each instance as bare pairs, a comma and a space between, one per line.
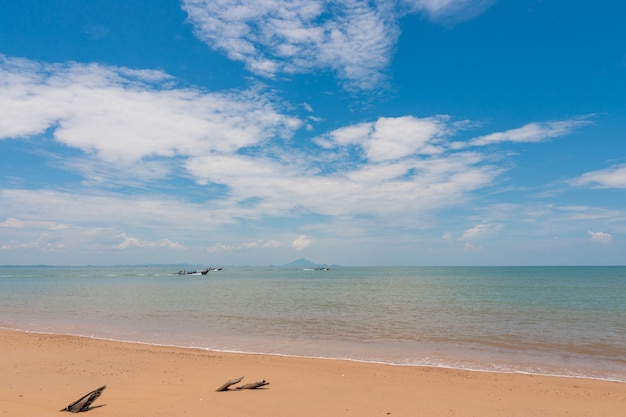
194, 272
318, 268
216, 269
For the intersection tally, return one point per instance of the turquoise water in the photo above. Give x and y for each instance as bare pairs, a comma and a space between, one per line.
546, 320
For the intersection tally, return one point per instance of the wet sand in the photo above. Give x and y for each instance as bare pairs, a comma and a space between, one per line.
41, 374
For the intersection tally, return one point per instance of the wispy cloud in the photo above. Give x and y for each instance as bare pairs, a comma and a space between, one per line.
613, 177
449, 11
532, 132
250, 245
13, 223
481, 231
232, 151
352, 38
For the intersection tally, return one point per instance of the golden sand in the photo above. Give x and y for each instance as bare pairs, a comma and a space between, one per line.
40, 374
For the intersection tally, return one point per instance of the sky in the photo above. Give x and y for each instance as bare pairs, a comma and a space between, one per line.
257, 132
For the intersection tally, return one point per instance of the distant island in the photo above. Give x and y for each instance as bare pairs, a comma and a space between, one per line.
302, 262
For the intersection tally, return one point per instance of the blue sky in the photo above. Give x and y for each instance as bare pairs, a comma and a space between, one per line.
406, 132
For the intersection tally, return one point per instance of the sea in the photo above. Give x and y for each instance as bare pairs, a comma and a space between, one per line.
563, 321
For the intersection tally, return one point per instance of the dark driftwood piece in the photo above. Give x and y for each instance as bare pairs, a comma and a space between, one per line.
229, 383
84, 403
254, 385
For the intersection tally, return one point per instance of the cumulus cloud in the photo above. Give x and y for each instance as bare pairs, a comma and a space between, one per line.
355, 39
302, 242
125, 115
129, 242
600, 237
392, 165
391, 138
232, 151
613, 177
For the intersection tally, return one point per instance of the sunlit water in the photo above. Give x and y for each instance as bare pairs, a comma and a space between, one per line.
547, 320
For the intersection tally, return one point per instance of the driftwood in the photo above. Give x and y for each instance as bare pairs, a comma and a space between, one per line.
251, 385
84, 402
254, 385
227, 384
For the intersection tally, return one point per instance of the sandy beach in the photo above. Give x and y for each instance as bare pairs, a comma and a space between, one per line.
41, 374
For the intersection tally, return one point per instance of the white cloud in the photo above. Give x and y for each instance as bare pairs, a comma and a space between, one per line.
219, 247
128, 242
395, 191
394, 138
270, 244
231, 151
88, 215
481, 231
251, 245
472, 247
302, 242
449, 11
124, 115
353, 38
13, 223
590, 213
43, 242
613, 177
532, 132
391, 138
600, 237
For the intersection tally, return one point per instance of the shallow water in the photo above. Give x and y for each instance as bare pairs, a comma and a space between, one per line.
547, 320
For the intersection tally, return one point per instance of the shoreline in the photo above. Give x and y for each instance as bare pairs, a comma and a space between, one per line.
42, 373
400, 316
495, 370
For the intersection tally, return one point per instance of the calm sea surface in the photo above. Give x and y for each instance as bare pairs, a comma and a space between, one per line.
547, 320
